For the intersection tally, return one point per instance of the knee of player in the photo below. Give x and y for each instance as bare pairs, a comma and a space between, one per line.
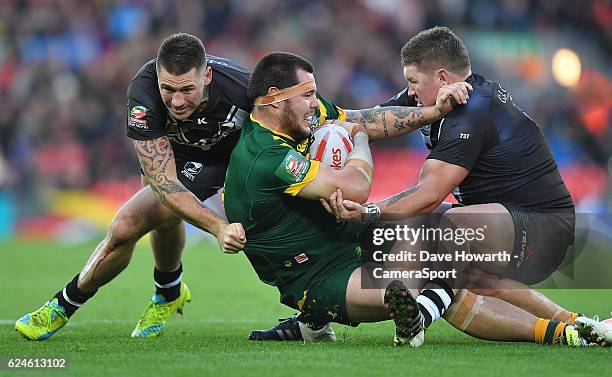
452, 217
122, 231
490, 292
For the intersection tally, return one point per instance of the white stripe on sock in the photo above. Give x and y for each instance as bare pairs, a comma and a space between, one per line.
69, 300
171, 284
430, 306
446, 300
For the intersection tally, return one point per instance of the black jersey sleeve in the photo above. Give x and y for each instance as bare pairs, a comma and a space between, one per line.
146, 113
463, 137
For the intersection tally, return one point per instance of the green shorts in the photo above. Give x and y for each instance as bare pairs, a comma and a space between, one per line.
325, 299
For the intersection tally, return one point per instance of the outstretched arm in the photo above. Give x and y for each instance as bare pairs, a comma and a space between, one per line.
389, 122
157, 161
437, 180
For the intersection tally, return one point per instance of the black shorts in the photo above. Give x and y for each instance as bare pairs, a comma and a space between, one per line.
201, 179
540, 242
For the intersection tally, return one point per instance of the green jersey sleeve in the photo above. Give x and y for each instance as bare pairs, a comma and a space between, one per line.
281, 168
328, 110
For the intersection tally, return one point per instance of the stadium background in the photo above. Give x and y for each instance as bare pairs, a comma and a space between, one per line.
66, 164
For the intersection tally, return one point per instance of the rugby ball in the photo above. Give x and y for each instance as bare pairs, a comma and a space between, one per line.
331, 145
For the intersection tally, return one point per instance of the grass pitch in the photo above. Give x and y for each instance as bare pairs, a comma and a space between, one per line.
228, 302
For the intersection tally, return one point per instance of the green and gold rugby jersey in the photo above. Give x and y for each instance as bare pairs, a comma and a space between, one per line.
290, 240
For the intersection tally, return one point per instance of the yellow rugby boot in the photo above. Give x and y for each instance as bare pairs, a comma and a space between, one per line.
43, 323
157, 313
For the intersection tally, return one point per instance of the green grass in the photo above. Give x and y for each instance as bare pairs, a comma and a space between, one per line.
229, 301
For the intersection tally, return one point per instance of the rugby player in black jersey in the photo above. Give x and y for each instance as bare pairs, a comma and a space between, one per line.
494, 159
184, 109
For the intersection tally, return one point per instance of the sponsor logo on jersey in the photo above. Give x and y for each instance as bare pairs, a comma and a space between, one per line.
138, 123
301, 258
138, 112
291, 165
192, 169
294, 167
137, 115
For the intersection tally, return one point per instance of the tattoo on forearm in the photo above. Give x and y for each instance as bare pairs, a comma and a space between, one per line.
403, 117
360, 116
397, 197
384, 119
170, 187
154, 156
399, 125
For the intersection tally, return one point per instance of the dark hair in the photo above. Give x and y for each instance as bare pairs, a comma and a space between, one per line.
435, 48
181, 52
278, 69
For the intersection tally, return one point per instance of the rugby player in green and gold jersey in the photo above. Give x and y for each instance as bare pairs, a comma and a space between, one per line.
272, 187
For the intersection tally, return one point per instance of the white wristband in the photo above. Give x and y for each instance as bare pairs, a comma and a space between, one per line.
370, 214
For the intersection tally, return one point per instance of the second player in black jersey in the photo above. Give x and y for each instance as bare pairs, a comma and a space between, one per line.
502, 147
494, 159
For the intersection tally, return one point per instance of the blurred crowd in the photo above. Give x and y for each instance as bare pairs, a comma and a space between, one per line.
65, 66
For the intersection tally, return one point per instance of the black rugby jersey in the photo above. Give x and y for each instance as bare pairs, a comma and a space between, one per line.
502, 147
210, 133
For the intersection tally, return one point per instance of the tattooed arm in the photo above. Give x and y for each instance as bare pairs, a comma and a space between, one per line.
157, 161
393, 121
437, 180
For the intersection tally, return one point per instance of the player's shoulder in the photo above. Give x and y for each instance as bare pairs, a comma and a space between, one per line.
265, 155
259, 139
483, 93
228, 68
143, 94
230, 82
478, 107
143, 86
146, 74
328, 110
220, 63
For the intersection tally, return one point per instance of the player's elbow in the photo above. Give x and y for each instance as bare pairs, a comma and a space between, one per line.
362, 194
357, 190
430, 200
160, 195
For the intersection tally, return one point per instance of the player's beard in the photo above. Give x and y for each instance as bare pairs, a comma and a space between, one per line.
292, 123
